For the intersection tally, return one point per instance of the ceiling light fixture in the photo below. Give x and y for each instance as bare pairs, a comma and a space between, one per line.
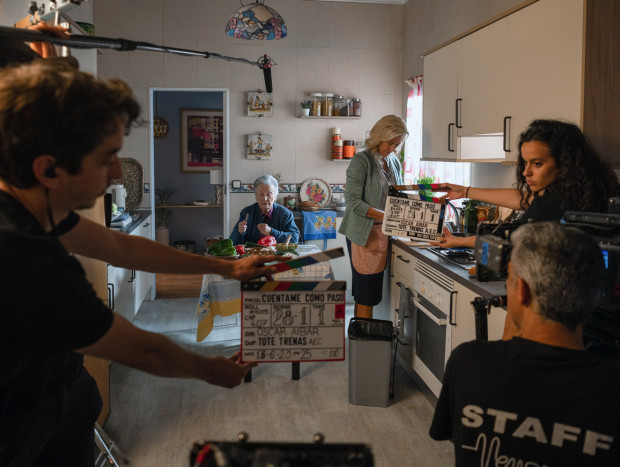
256, 21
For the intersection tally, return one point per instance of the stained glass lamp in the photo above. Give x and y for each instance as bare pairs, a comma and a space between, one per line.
256, 21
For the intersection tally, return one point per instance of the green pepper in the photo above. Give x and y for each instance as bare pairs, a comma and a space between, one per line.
217, 246
225, 252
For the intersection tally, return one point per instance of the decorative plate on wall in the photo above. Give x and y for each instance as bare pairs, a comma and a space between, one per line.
317, 190
133, 181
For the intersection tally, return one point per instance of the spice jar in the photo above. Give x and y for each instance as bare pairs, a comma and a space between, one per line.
357, 108
348, 149
327, 106
336, 144
315, 104
340, 106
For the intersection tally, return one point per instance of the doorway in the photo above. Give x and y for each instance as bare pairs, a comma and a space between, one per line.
183, 198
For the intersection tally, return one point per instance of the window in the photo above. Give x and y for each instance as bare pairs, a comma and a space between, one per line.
415, 169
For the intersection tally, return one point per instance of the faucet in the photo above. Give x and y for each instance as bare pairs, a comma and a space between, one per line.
457, 215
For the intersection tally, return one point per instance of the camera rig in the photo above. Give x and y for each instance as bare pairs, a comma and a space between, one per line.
602, 330
244, 453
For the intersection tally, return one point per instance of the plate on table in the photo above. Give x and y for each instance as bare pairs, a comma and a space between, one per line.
317, 190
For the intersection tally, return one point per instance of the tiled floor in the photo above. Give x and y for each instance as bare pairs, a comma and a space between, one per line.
156, 420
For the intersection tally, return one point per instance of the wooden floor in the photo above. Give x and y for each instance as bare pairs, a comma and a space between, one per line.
178, 285
155, 420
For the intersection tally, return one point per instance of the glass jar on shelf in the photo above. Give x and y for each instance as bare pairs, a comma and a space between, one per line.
356, 110
315, 104
327, 106
339, 103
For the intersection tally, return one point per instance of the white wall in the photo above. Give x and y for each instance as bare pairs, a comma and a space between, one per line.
352, 49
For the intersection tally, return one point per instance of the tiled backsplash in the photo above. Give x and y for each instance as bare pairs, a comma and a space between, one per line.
284, 188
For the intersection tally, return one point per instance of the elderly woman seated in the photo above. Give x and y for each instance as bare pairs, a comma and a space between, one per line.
265, 217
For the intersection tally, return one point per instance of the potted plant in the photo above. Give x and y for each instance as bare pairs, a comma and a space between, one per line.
305, 108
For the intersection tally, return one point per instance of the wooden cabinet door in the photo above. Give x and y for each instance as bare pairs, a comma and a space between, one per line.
544, 78
439, 110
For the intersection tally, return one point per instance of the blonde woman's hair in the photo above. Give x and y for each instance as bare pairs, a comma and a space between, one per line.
385, 129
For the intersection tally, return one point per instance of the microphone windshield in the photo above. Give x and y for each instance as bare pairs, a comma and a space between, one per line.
267, 76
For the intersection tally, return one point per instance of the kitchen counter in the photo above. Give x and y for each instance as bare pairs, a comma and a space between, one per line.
484, 289
137, 217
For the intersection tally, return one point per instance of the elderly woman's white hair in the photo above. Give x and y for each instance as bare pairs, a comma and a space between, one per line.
267, 180
385, 129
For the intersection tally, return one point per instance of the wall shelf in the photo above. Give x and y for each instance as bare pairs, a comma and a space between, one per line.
310, 117
174, 206
341, 160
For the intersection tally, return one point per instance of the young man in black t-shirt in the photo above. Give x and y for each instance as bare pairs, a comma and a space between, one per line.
538, 398
60, 134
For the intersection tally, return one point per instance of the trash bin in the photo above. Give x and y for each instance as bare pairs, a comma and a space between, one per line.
370, 350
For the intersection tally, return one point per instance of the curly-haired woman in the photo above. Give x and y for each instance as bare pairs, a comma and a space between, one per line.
557, 171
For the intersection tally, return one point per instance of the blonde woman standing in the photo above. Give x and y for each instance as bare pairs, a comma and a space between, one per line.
369, 176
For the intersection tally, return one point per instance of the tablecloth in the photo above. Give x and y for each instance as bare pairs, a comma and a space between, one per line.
319, 225
220, 296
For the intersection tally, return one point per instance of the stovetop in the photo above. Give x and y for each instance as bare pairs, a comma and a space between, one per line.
461, 257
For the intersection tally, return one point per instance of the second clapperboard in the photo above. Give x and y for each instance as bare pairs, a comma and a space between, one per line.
413, 216
294, 321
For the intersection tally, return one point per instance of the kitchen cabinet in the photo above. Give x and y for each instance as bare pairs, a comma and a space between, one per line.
544, 74
523, 66
440, 94
439, 315
127, 288
464, 328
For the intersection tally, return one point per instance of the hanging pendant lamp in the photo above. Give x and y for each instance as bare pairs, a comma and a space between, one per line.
256, 21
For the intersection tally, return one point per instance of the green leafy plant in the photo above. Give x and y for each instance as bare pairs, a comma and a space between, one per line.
161, 216
306, 104
427, 180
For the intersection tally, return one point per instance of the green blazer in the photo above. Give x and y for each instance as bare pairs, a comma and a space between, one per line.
363, 190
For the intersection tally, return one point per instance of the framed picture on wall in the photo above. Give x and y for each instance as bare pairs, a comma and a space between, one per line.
202, 140
260, 146
260, 104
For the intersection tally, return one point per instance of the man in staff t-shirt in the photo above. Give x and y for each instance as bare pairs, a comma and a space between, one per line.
538, 398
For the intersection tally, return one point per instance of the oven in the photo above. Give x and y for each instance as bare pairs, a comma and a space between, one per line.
433, 303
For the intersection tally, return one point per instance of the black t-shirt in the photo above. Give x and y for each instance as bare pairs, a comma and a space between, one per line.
525, 401
48, 309
548, 207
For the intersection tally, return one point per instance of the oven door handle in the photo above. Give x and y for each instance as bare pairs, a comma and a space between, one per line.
431, 316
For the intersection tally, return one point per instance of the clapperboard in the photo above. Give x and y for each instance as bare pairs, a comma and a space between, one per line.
294, 321
413, 216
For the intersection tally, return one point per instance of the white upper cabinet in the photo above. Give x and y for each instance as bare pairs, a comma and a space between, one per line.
482, 65
544, 78
440, 94
523, 66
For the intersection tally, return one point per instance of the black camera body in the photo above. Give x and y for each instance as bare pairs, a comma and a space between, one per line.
602, 330
492, 250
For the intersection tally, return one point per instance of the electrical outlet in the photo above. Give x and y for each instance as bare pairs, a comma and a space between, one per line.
147, 187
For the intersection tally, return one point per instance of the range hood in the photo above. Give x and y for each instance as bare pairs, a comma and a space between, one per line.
488, 147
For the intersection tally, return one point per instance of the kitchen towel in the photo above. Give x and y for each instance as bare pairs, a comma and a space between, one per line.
319, 225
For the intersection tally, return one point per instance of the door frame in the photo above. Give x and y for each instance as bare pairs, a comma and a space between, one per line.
225, 170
